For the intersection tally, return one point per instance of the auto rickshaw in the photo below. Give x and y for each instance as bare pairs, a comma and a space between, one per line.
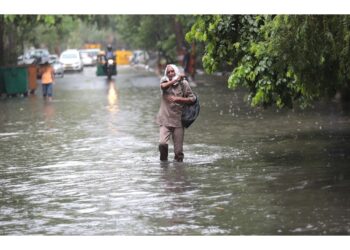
106, 67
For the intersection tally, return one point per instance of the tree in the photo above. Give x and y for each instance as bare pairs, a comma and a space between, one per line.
282, 60
18, 30
55, 32
149, 32
162, 33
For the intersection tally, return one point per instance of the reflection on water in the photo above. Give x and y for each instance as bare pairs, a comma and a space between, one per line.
175, 179
87, 164
113, 106
49, 111
112, 97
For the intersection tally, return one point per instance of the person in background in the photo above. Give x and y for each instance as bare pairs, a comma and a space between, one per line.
175, 93
109, 54
47, 79
186, 61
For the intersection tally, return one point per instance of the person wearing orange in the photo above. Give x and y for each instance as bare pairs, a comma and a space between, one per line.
47, 79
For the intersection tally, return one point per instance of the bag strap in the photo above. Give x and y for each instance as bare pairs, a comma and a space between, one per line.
183, 91
182, 88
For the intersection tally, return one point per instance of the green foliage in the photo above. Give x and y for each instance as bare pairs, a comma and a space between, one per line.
153, 32
162, 33
282, 60
23, 31
316, 49
218, 34
149, 32
55, 32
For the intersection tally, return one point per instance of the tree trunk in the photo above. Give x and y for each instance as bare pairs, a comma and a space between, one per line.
193, 61
11, 46
180, 39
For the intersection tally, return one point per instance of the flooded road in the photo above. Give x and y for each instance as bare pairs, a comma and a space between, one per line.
88, 164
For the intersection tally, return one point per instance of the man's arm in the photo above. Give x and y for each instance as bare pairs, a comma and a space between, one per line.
165, 85
179, 99
188, 98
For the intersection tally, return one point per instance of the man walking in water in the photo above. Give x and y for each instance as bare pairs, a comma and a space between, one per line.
175, 93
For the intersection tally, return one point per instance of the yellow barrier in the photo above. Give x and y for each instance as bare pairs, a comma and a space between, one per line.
123, 56
92, 46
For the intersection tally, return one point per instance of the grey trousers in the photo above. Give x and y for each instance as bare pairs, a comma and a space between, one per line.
177, 137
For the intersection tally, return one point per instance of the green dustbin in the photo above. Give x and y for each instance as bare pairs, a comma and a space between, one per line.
2, 81
16, 80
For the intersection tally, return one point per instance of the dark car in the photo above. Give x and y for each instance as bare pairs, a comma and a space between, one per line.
33, 56
39, 55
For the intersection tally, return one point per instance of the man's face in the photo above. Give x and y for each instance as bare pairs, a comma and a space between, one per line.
170, 72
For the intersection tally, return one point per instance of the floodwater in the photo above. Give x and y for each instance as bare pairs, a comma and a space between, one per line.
88, 164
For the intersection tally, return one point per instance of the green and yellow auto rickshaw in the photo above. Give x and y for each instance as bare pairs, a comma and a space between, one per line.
106, 66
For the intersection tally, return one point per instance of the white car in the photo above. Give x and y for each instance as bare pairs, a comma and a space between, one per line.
86, 58
71, 60
93, 53
57, 66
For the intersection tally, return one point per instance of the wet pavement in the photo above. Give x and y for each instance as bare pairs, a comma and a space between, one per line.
87, 164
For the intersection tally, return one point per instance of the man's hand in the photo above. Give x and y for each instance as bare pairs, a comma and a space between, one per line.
180, 77
175, 81
172, 98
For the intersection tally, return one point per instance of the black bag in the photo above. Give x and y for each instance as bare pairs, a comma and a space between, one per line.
190, 112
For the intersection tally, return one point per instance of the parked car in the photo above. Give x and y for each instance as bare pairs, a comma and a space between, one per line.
40, 54
94, 53
71, 60
86, 57
57, 65
33, 56
20, 60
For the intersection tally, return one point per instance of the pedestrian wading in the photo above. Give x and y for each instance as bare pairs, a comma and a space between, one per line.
176, 92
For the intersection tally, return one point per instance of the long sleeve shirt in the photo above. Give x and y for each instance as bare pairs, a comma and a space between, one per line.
169, 112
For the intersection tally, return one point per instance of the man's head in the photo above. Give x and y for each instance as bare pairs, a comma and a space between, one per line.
171, 72
109, 47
